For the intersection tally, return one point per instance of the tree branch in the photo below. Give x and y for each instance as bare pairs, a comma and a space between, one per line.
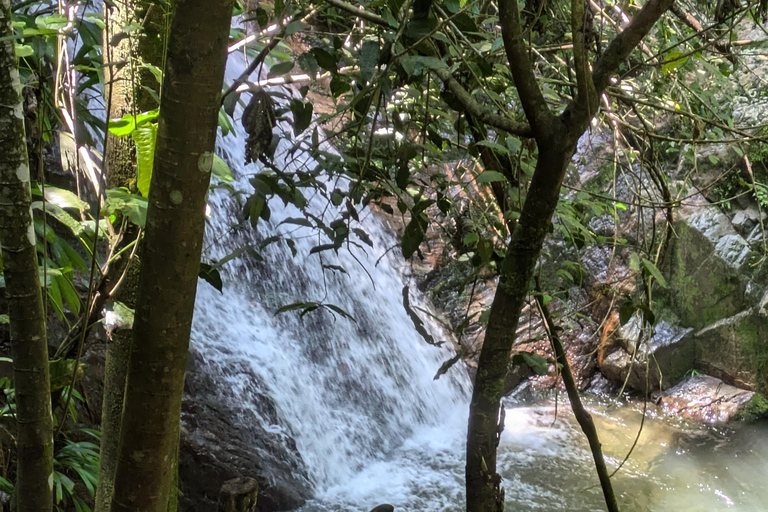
585, 87
360, 13
259, 58
585, 420
535, 106
473, 108
625, 42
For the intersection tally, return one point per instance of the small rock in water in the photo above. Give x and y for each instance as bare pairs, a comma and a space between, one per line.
383, 508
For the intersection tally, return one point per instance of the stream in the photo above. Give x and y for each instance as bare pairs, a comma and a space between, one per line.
354, 404
546, 464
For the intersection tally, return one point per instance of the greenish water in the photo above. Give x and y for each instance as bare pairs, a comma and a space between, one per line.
544, 459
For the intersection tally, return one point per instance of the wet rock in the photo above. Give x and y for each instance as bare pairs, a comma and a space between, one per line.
648, 361
238, 495
221, 441
384, 508
705, 398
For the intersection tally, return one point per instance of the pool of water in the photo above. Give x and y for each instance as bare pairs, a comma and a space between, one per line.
544, 459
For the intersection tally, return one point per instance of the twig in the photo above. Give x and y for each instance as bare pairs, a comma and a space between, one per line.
585, 420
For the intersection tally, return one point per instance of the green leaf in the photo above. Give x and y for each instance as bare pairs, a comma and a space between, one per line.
471, 238
51, 22
306, 306
221, 170
412, 237
655, 272
133, 206
24, 50
338, 310
362, 235
127, 124
323, 247
211, 276
490, 177
295, 27
324, 59
298, 221
495, 146
280, 69
673, 60
62, 198
535, 362
626, 311
302, 115
369, 58
415, 65
144, 137
60, 215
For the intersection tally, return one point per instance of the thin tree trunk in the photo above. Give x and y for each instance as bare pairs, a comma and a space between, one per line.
126, 87
581, 413
170, 256
556, 137
483, 484
29, 347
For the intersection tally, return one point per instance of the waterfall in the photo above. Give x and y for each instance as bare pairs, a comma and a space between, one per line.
347, 393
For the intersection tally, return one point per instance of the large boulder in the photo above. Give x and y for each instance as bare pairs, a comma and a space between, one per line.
655, 358
221, 442
707, 399
717, 286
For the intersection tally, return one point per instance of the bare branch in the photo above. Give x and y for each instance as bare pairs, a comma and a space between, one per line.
535, 106
585, 87
499, 122
360, 13
624, 43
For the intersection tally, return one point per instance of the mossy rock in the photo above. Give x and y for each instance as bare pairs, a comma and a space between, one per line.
755, 409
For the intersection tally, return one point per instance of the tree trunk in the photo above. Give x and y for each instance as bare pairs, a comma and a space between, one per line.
556, 138
127, 86
29, 347
238, 495
483, 483
170, 256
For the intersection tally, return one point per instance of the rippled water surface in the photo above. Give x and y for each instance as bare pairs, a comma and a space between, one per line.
546, 464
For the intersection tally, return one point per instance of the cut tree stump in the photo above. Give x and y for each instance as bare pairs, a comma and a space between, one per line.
238, 495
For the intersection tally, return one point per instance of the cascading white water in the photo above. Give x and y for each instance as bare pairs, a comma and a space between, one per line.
348, 392
350, 410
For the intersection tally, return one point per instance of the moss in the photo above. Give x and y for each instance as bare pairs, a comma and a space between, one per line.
755, 350
755, 409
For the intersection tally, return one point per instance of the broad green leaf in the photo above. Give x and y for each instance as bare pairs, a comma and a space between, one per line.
128, 123
24, 50
490, 177
280, 69
626, 311
495, 146
655, 272
221, 170
131, 205
211, 276
535, 362
471, 238
144, 137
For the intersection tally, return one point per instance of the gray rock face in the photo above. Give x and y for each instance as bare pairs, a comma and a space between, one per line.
220, 443
705, 398
658, 361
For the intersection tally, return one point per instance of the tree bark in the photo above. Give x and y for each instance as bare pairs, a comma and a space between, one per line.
238, 495
170, 256
127, 86
581, 413
483, 484
29, 347
556, 137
